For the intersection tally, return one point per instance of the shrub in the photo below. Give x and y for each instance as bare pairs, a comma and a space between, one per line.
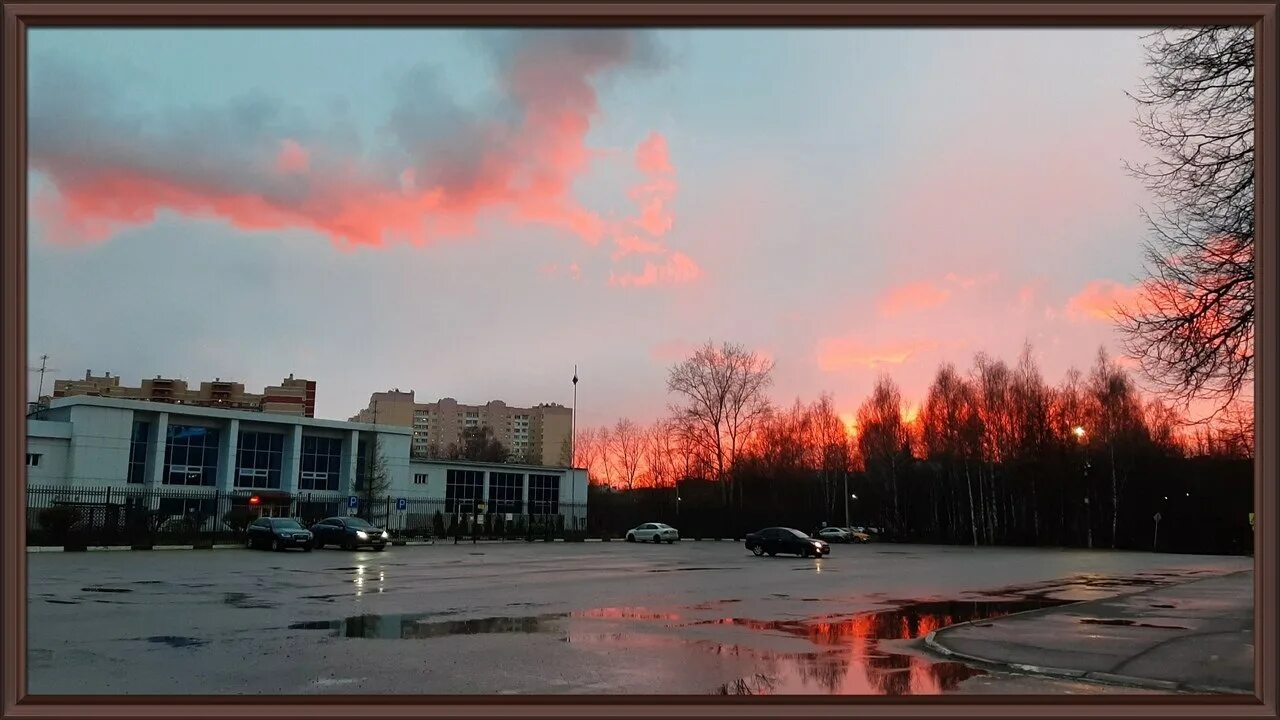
59, 520
437, 524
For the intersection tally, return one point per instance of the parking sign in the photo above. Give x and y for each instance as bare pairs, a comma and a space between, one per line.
353, 502
401, 504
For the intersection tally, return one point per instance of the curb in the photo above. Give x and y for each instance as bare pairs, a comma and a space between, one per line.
931, 641
119, 548
410, 543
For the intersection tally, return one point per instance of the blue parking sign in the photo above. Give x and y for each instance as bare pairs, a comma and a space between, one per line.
401, 503
353, 502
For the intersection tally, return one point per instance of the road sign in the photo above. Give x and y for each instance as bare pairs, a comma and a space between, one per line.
509, 517
353, 502
401, 504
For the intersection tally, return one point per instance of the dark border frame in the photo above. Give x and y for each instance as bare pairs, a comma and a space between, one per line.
13, 376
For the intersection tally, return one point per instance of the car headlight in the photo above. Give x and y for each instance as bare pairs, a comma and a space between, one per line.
362, 535
385, 535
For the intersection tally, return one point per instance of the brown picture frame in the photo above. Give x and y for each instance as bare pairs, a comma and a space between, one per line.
18, 17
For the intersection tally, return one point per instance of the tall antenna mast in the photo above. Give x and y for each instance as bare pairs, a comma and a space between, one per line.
44, 368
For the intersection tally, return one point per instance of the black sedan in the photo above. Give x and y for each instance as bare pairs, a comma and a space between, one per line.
278, 534
349, 533
776, 540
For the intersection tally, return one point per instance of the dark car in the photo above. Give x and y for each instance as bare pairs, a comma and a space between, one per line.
349, 533
278, 534
776, 540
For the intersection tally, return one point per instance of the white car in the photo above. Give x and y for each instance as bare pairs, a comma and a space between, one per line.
653, 532
835, 535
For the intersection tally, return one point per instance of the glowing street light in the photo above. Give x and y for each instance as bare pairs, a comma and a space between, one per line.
1078, 431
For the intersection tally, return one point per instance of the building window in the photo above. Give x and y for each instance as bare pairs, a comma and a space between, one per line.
362, 451
259, 460
544, 494
321, 463
462, 490
419, 478
505, 491
33, 459
138, 451
191, 455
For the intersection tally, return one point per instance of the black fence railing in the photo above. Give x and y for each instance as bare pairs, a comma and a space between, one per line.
145, 517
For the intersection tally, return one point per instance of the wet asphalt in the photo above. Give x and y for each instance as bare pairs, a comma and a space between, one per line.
700, 618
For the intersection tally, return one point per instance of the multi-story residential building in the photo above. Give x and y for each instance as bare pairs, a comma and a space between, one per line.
293, 396
538, 435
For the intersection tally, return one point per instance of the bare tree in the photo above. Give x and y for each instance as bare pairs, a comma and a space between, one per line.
831, 447
1192, 325
626, 449
374, 479
659, 449
721, 401
1117, 421
883, 440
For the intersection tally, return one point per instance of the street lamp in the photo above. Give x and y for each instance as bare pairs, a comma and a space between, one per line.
1079, 432
846, 500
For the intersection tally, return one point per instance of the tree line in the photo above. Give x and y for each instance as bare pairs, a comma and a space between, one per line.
992, 454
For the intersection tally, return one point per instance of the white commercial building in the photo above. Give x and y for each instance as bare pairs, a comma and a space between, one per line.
290, 465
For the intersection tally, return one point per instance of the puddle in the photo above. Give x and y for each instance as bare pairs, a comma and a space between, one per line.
63, 602
1129, 623
415, 627
627, 613
687, 569
245, 601
176, 641
106, 590
150, 582
846, 657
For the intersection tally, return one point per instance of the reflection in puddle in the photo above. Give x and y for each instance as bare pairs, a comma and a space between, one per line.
845, 656
1128, 623
406, 627
848, 659
176, 641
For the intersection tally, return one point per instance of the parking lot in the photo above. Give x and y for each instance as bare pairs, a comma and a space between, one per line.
543, 618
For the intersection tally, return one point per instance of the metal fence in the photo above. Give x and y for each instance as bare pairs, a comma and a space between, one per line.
144, 517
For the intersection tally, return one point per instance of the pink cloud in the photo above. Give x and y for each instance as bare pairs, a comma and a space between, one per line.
292, 158
520, 171
912, 297
1100, 299
678, 268
627, 244
837, 354
652, 157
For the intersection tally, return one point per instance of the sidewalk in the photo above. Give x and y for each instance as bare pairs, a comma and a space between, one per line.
1193, 637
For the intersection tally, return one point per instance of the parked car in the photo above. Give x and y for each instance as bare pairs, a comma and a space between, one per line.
776, 540
653, 532
835, 534
278, 534
349, 533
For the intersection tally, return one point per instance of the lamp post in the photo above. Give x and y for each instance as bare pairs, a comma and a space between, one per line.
846, 499
1079, 432
573, 439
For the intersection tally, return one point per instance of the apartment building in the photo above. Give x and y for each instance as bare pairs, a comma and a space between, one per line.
293, 396
537, 435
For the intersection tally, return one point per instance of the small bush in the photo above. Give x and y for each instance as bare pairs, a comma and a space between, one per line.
437, 524
59, 520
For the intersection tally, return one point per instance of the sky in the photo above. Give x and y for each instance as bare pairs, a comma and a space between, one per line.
470, 213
